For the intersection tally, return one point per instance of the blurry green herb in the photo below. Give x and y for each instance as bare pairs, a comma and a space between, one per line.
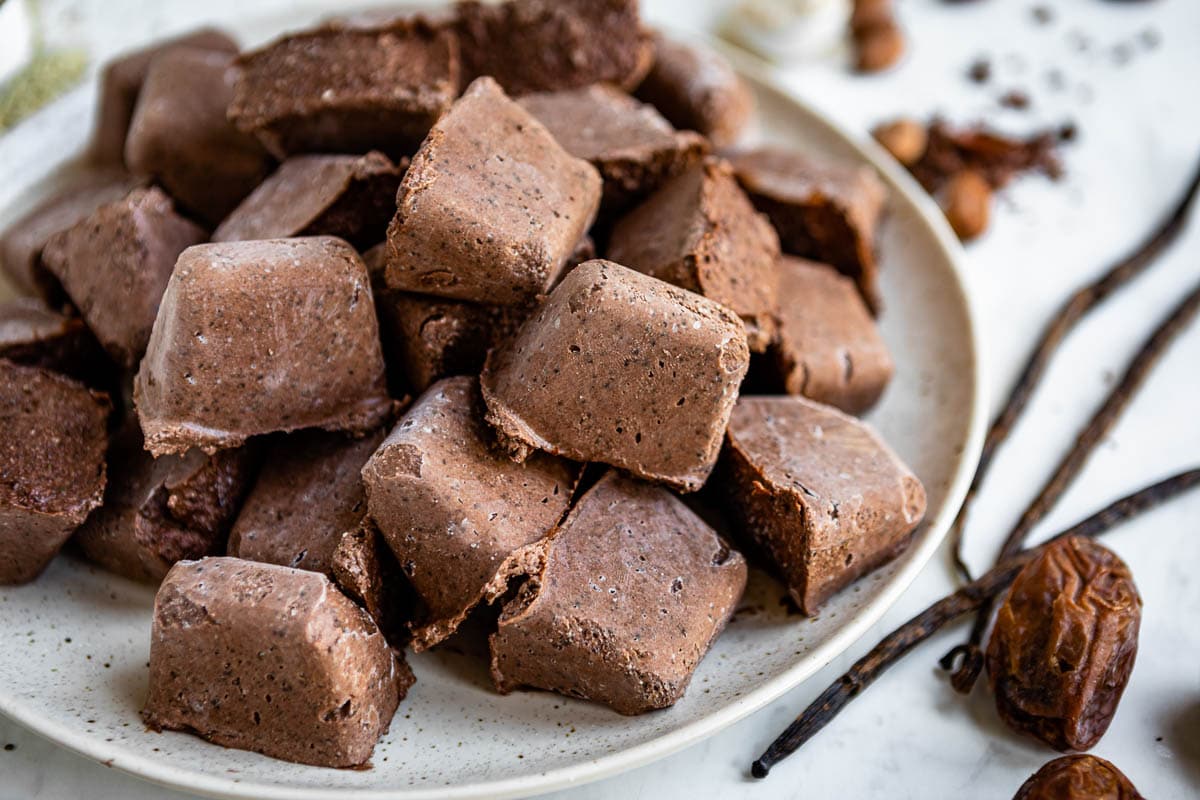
47, 75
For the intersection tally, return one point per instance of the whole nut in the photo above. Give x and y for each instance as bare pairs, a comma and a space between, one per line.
1078, 778
905, 139
871, 14
879, 47
967, 201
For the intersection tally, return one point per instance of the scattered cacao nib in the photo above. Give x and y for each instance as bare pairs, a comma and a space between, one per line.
996, 157
1015, 99
1064, 644
980, 70
1080, 777
1043, 15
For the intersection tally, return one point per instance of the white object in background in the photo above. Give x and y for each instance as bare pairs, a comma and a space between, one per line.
16, 37
788, 30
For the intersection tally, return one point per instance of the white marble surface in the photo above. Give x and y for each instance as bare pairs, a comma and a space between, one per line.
910, 736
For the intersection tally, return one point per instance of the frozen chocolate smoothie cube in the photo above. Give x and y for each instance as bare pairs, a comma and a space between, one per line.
308, 494
491, 207
824, 211
433, 338
697, 90
701, 233
621, 368
308, 510
632, 146
829, 348
457, 513
353, 197
818, 492
121, 83
348, 88
258, 337
630, 593
180, 135
115, 264
31, 333
22, 243
158, 511
270, 659
547, 45
52, 440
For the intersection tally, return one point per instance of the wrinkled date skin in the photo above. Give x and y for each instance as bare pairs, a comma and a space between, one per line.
1064, 644
1078, 778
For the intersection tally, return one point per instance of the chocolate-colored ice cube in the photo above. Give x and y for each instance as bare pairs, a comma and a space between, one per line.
630, 593
433, 338
308, 494
825, 211
258, 337
829, 347
270, 659
22, 243
31, 333
547, 45
701, 233
179, 134
455, 511
491, 206
52, 440
352, 197
818, 492
697, 90
621, 368
121, 83
115, 264
158, 511
632, 146
348, 88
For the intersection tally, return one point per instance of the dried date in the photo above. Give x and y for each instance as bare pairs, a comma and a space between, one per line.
1078, 778
1064, 644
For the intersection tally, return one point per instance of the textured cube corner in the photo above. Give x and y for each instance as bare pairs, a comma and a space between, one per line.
347, 88
630, 593
630, 143
270, 659
456, 512
258, 337
52, 472
621, 368
115, 264
180, 134
828, 212
700, 232
829, 348
491, 207
351, 197
818, 492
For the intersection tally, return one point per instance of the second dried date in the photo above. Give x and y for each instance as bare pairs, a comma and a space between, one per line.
1064, 644
1078, 778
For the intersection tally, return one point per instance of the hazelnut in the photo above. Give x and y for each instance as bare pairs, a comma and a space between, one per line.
871, 14
879, 47
966, 200
905, 139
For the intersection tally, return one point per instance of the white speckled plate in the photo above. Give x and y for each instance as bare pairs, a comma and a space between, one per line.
73, 667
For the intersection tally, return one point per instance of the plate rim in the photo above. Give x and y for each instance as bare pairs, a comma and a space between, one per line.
900, 182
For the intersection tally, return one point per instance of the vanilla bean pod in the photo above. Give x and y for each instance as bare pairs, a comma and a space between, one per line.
970, 655
1076, 307
967, 599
